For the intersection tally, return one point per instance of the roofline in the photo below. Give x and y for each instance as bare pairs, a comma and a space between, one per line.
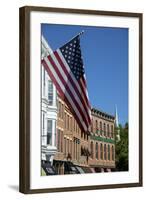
97, 111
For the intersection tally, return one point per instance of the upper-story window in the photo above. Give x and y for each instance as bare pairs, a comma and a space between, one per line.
58, 139
71, 124
59, 109
112, 131
113, 153
96, 126
108, 133
108, 152
92, 150
65, 120
68, 122
104, 151
65, 148
96, 150
50, 92
101, 151
101, 128
104, 127
92, 125
49, 132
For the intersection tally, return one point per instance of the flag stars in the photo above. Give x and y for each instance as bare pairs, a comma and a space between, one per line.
72, 55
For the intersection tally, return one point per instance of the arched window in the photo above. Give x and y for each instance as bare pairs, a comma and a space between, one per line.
104, 151
113, 153
108, 134
92, 150
100, 128
97, 150
101, 151
108, 152
104, 126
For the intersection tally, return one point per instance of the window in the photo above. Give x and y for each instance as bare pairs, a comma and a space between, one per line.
61, 136
50, 92
67, 122
70, 148
113, 153
101, 151
108, 134
108, 152
74, 124
112, 131
76, 127
49, 132
101, 128
74, 153
58, 139
65, 146
59, 108
92, 150
104, 130
96, 150
71, 124
92, 125
104, 151
62, 111
55, 133
96, 122
76, 150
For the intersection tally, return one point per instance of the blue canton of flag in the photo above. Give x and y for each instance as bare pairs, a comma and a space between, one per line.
72, 53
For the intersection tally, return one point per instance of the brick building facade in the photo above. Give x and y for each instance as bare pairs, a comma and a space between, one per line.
88, 152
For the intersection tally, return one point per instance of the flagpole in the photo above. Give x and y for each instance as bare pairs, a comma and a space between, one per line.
79, 34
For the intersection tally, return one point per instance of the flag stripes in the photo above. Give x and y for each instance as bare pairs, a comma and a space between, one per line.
61, 89
74, 85
70, 81
81, 89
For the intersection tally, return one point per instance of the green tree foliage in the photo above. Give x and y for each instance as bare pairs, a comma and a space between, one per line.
122, 149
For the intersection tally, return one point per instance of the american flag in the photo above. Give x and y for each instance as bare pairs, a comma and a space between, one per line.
65, 68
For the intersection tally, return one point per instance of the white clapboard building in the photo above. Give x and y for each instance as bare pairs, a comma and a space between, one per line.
49, 111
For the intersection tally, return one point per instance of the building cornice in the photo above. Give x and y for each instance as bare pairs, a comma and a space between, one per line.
103, 115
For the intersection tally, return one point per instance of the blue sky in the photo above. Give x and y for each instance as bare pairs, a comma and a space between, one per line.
105, 57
